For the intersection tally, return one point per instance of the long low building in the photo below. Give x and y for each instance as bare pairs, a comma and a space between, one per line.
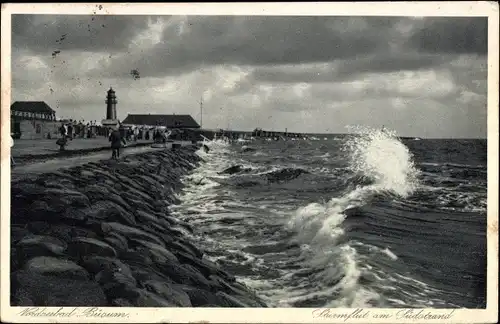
186, 128
32, 120
168, 121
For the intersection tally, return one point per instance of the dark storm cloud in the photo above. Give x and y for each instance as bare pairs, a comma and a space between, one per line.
276, 40
93, 33
348, 69
422, 76
260, 41
452, 35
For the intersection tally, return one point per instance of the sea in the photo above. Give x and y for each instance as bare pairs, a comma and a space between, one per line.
365, 219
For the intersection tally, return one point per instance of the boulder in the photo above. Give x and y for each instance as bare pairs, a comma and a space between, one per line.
172, 220
205, 269
117, 241
168, 292
158, 253
203, 298
230, 300
73, 215
53, 210
113, 277
34, 289
27, 191
121, 302
38, 245
62, 232
185, 246
111, 188
149, 299
133, 257
22, 297
18, 232
158, 230
146, 273
105, 192
226, 286
56, 267
117, 199
94, 192
137, 204
129, 232
145, 217
105, 174
117, 282
185, 274
86, 174
38, 227
66, 196
188, 227
119, 288
221, 273
81, 246
95, 264
151, 182
83, 232
109, 211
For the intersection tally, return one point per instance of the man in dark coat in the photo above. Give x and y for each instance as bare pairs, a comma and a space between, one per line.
116, 140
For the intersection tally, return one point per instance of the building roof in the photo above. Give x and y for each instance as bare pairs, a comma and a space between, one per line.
170, 121
32, 106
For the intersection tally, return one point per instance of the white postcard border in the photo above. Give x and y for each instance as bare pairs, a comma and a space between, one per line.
273, 315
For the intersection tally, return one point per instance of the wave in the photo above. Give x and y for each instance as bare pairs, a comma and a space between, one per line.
379, 163
329, 231
242, 175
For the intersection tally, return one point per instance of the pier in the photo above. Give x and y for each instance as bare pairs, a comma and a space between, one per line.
257, 133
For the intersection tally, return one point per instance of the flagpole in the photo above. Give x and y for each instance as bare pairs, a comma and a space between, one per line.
201, 112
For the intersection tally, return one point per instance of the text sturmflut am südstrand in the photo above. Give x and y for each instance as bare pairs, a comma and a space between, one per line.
360, 313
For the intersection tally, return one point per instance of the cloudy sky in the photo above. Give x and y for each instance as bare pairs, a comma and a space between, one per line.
419, 76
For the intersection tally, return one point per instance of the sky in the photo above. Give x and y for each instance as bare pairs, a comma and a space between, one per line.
423, 77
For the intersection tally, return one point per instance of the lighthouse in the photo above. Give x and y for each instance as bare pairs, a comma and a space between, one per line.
111, 101
111, 104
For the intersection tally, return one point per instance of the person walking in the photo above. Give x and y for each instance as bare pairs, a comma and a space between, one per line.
70, 132
116, 140
62, 130
136, 133
12, 163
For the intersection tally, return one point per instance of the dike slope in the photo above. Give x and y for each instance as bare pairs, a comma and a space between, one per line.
100, 234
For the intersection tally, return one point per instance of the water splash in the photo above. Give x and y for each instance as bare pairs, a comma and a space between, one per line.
373, 154
380, 156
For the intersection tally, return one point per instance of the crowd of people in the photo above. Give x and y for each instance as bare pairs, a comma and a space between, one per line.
118, 136
78, 129
71, 130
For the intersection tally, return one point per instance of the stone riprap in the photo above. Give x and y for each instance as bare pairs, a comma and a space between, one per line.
101, 234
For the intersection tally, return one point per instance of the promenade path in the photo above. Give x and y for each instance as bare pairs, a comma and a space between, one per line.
56, 162
48, 146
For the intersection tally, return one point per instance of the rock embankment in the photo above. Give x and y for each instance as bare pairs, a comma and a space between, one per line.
101, 235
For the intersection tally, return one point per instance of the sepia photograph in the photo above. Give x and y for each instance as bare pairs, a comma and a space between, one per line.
240, 161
